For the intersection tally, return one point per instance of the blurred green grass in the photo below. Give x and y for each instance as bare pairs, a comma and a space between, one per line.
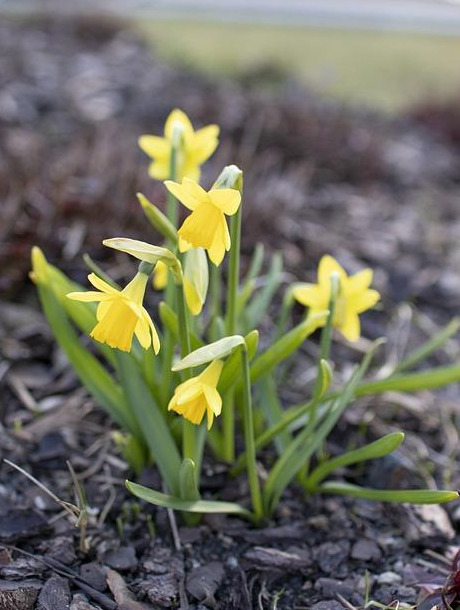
381, 70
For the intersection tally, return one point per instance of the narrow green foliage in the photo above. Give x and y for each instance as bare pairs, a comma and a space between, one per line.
201, 379
411, 496
383, 446
177, 503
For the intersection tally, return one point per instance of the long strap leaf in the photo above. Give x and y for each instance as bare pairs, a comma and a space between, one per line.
151, 420
412, 496
309, 440
195, 506
379, 448
90, 372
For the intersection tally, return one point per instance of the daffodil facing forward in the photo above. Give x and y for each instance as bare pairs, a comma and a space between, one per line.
195, 147
354, 296
120, 313
206, 227
199, 396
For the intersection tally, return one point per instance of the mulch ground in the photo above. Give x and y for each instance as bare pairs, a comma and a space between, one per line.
74, 96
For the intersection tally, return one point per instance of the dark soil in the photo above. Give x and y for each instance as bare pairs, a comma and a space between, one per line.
74, 96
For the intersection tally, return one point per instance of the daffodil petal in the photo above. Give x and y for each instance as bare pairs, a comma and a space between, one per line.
159, 170
327, 266
177, 116
189, 169
183, 194
365, 300
211, 375
195, 190
192, 298
213, 398
142, 332
160, 276
358, 282
312, 295
217, 251
351, 328
227, 200
204, 142
210, 416
88, 297
101, 285
155, 147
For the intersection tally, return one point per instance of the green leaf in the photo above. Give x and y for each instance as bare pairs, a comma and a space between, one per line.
430, 346
273, 411
88, 369
169, 318
151, 420
256, 264
260, 303
232, 367
379, 448
310, 439
157, 219
213, 351
94, 267
188, 481
194, 506
411, 496
284, 347
243, 296
412, 382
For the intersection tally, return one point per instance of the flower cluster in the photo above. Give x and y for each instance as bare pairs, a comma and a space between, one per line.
204, 360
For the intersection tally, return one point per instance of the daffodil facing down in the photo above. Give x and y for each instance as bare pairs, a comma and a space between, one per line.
354, 296
206, 227
120, 313
195, 147
199, 396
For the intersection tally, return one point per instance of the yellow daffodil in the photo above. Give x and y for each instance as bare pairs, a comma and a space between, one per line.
199, 396
354, 296
206, 226
160, 276
120, 313
196, 147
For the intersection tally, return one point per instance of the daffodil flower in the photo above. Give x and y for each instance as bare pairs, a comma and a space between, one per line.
120, 313
196, 147
354, 296
206, 226
198, 396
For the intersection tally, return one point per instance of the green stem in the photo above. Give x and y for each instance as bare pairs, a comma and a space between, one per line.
168, 343
171, 201
325, 349
232, 301
216, 294
228, 428
188, 438
233, 271
249, 437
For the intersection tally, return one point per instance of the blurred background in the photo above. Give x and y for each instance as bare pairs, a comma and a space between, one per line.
344, 115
